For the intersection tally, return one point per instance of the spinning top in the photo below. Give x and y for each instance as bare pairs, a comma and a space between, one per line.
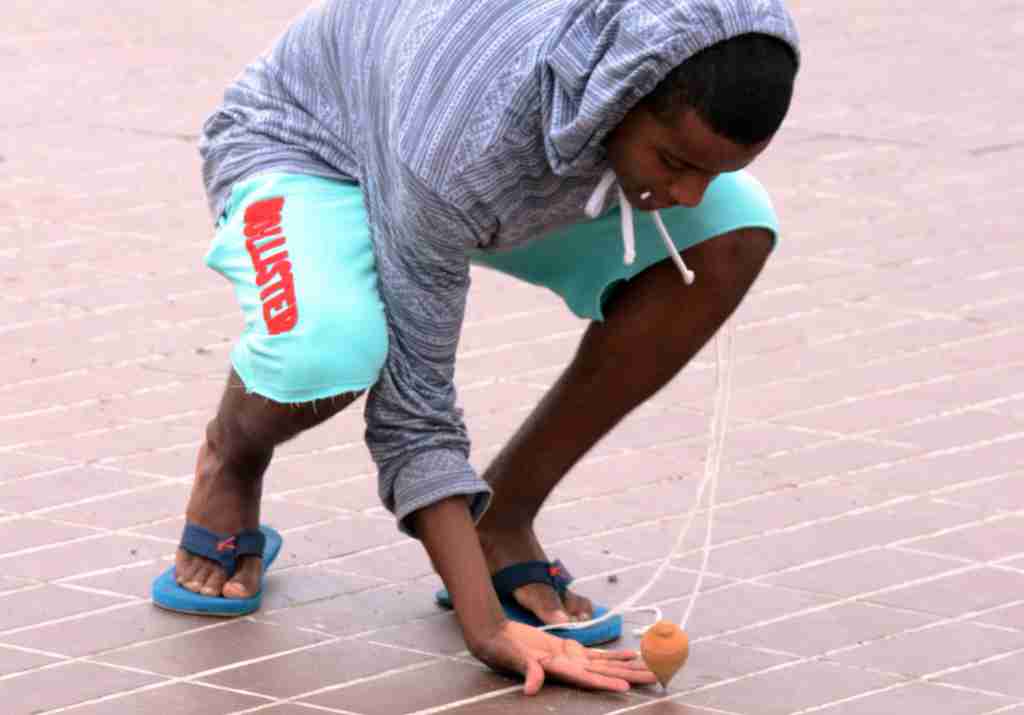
664, 648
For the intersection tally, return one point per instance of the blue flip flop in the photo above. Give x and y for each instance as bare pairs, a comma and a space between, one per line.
225, 549
557, 576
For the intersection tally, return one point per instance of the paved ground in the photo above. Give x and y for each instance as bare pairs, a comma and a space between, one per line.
868, 553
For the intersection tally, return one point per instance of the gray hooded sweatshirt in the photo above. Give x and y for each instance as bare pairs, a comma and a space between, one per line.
469, 125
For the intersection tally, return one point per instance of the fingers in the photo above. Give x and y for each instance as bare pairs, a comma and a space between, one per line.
601, 654
534, 677
635, 674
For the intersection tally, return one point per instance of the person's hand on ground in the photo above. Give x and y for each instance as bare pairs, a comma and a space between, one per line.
537, 655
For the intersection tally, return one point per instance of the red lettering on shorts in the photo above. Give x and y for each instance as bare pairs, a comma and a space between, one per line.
268, 249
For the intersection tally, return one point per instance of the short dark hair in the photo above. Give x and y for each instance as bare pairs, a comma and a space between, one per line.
740, 87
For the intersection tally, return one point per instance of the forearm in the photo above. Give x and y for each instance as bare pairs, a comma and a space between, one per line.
449, 535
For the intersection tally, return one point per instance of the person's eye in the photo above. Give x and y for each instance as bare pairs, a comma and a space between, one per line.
671, 163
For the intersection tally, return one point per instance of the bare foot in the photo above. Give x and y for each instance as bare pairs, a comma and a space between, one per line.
502, 549
225, 505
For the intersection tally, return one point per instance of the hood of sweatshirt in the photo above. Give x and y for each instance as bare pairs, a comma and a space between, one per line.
605, 56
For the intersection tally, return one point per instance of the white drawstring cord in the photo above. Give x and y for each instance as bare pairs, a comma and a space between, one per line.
593, 209
719, 422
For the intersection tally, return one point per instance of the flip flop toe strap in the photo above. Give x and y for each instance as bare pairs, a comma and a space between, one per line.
225, 549
553, 573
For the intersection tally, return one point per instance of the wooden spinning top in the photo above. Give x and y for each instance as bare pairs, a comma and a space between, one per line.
664, 648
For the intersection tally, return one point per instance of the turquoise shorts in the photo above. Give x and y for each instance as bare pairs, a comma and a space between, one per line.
297, 250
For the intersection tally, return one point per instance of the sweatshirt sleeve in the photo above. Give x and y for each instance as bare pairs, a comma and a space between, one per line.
414, 429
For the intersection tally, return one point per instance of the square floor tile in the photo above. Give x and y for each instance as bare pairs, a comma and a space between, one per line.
82, 557
785, 690
1012, 617
363, 611
175, 699
1001, 675
863, 573
97, 633
47, 603
27, 533
314, 668
14, 465
141, 506
552, 699
826, 630
974, 590
218, 647
13, 660
990, 541
67, 684
931, 650
131, 579
68, 485
414, 690
739, 607
920, 698
438, 634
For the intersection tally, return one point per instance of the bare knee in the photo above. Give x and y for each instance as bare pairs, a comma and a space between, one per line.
249, 426
733, 260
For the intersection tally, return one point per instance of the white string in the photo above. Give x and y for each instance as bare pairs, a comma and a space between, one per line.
712, 469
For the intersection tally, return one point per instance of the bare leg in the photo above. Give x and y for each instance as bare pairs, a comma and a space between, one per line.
653, 327
225, 497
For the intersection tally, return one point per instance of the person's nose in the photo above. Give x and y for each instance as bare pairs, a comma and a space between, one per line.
689, 190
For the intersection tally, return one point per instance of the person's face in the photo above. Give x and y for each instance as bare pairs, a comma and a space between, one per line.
674, 161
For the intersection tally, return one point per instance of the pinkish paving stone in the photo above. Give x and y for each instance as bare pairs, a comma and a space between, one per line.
18, 534
930, 650
1009, 617
82, 557
921, 698
413, 690
830, 459
93, 633
958, 430
356, 494
438, 635
67, 684
829, 629
15, 465
404, 561
39, 604
782, 550
141, 506
315, 668
745, 605
176, 698
131, 580
303, 470
863, 572
336, 538
67, 485
784, 690
13, 660
218, 647
289, 709
360, 612
998, 675
552, 699
991, 540
274, 512
1004, 493
975, 589
288, 588
178, 461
